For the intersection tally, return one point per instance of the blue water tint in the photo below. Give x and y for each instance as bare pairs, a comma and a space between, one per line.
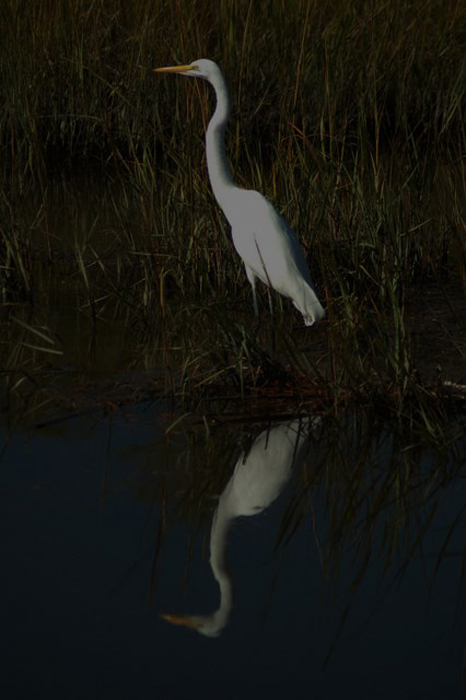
77, 619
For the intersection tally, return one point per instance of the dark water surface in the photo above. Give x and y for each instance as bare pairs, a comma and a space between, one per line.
106, 524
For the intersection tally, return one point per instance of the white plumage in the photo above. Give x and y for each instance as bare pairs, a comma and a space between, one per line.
261, 236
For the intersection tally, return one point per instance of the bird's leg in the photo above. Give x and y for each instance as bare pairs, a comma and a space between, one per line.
252, 280
254, 299
270, 301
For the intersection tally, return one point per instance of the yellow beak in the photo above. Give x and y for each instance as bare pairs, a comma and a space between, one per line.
174, 69
182, 620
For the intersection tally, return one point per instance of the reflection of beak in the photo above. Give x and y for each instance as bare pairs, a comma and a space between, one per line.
182, 620
173, 69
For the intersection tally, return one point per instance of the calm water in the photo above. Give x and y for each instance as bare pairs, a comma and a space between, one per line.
106, 523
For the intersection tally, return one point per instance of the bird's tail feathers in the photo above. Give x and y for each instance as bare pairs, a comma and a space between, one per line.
309, 305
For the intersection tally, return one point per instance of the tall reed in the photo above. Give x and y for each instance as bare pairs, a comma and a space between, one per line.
349, 115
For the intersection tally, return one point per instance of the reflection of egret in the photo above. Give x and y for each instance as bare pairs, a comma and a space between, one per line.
263, 239
258, 479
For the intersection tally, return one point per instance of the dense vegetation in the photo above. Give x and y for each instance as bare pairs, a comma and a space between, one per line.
348, 115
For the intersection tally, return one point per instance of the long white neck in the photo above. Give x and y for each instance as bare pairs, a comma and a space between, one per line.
220, 176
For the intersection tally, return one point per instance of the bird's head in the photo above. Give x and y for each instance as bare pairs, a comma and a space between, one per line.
202, 68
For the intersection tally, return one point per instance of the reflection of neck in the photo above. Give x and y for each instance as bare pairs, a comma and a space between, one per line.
218, 561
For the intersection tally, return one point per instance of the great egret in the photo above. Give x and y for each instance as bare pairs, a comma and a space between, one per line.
261, 236
258, 478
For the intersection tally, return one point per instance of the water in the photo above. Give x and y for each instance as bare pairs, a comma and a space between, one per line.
106, 524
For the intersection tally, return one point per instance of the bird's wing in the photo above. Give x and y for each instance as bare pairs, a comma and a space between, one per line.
267, 244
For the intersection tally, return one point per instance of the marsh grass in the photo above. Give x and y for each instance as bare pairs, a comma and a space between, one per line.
348, 115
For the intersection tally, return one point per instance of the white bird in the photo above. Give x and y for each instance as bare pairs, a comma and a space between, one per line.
258, 479
261, 236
